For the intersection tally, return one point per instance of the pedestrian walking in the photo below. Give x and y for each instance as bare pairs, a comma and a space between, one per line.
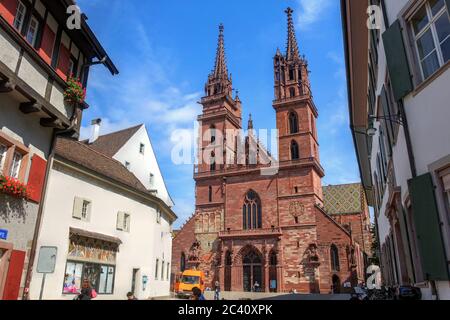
87, 292
217, 290
256, 286
197, 294
130, 296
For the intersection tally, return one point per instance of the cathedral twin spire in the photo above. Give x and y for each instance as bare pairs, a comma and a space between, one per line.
220, 82
292, 51
221, 69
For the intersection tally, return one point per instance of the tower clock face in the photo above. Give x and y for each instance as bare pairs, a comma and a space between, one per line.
296, 208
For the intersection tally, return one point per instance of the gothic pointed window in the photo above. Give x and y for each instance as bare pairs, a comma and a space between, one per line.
334, 258
291, 74
182, 262
252, 211
292, 92
213, 134
293, 122
213, 162
295, 153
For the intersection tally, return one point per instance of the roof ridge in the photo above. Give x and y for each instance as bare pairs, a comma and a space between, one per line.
115, 132
105, 156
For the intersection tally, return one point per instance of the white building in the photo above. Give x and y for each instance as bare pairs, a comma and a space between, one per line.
107, 225
132, 147
399, 81
37, 54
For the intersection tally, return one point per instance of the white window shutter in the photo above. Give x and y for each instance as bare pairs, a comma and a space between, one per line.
120, 217
77, 208
89, 209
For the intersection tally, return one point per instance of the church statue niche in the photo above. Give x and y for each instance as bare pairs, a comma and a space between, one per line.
194, 252
311, 256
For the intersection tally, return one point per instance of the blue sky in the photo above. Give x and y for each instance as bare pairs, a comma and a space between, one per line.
165, 50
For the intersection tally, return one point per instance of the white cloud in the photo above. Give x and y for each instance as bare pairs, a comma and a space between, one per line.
311, 11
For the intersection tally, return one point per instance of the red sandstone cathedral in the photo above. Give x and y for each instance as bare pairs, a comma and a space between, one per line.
250, 227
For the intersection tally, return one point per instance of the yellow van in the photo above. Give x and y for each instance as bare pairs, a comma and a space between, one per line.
189, 280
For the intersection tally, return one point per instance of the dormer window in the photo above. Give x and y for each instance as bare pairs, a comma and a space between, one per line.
20, 16
142, 148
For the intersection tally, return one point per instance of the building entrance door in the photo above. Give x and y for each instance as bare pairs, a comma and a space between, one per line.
252, 275
228, 264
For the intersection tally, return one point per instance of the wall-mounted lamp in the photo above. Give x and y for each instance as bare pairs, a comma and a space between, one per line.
370, 132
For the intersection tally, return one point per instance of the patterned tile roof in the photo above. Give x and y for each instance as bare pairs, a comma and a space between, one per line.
343, 199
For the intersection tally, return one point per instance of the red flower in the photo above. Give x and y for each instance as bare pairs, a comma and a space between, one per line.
13, 187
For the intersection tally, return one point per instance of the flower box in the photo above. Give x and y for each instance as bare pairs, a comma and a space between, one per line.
13, 187
74, 94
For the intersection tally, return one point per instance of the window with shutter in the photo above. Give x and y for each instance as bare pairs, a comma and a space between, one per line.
397, 61
8, 9
120, 220
47, 44
77, 208
428, 231
63, 62
431, 32
36, 178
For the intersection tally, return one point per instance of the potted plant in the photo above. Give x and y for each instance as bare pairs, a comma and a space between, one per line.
13, 187
74, 94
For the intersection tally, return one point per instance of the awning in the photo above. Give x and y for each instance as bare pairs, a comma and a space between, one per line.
94, 235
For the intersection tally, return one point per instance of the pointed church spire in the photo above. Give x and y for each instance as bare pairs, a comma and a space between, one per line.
220, 68
292, 51
250, 122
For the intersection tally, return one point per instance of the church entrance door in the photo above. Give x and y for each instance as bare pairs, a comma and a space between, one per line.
252, 264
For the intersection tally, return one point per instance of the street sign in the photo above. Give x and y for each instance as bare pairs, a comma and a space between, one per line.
3, 234
47, 260
46, 264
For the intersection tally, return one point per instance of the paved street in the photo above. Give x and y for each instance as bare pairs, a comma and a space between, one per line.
273, 296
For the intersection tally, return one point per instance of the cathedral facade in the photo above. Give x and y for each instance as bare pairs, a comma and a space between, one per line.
251, 227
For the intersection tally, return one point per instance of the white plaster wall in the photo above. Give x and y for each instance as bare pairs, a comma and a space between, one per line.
57, 99
393, 7
33, 75
144, 164
429, 114
25, 129
10, 51
140, 247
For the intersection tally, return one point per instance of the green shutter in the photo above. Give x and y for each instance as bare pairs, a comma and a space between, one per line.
428, 230
397, 61
388, 123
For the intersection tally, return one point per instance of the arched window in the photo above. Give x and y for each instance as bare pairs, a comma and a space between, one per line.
334, 258
183, 262
273, 258
228, 259
293, 122
291, 73
213, 162
213, 134
252, 212
292, 92
295, 153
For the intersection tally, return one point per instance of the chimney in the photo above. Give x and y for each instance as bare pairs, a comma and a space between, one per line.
95, 131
